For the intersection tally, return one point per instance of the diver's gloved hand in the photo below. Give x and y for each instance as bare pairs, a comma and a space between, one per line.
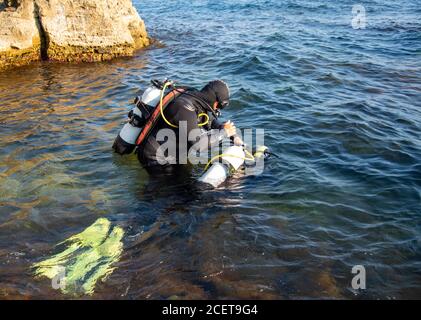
229, 128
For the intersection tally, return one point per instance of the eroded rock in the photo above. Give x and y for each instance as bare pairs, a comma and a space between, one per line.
68, 30
91, 30
19, 35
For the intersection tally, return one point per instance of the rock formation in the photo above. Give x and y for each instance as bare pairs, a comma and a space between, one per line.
19, 35
68, 30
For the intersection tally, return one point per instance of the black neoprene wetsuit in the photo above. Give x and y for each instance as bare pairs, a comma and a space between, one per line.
186, 108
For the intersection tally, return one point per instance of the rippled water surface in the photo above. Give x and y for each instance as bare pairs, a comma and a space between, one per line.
341, 107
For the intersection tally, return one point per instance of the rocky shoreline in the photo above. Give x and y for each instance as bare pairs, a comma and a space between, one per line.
68, 31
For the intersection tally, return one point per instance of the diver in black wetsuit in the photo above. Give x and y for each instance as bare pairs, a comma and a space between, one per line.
187, 107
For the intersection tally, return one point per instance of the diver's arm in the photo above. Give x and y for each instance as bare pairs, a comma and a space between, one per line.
208, 139
216, 124
213, 137
199, 140
229, 127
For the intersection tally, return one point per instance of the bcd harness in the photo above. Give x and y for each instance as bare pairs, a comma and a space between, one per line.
156, 115
148, 110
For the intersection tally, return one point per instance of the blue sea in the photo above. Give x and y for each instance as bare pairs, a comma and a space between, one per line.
338, 94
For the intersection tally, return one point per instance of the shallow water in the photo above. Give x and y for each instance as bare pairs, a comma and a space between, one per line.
341, 108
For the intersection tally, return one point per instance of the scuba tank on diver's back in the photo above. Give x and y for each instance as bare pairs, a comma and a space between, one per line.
125, 142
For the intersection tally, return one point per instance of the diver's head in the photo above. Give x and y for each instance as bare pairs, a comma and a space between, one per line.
219, 91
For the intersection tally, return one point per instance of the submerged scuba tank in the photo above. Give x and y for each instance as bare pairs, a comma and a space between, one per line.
125, 142
232, 159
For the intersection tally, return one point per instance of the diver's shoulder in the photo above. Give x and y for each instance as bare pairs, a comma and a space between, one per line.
184, 102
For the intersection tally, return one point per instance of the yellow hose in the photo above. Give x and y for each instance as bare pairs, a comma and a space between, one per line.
249, 154
226, 155
206, 121
166, 120
160, 106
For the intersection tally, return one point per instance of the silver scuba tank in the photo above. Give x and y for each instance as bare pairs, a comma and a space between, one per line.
233, 158
125, 142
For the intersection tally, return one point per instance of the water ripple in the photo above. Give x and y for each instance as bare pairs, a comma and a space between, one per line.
340, 108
